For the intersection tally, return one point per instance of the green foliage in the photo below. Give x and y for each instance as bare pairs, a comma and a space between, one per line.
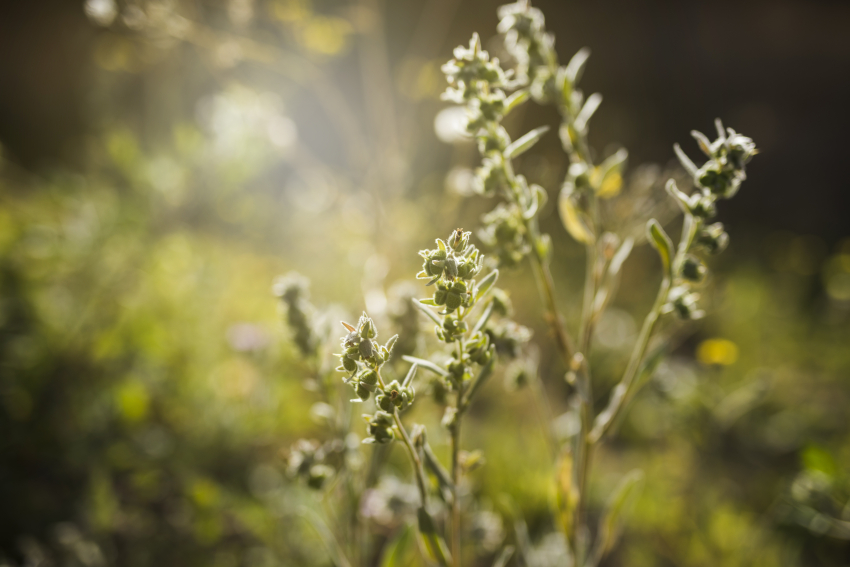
154, 410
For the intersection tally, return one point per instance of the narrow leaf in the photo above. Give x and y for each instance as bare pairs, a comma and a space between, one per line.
483, 319
721, 133
430, 314
533, 206
428, 301
586, 112
410, 374
391, 343
663, 244
703, 141
680, 198
525, 143
620, 256
686, 162
426, 364
487, 283
516, 99
576, 65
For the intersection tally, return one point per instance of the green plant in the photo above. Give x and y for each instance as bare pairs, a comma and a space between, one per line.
482, 86
512, 230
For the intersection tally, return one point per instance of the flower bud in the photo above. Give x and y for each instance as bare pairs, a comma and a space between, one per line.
440, 296
683, 302
349, 364
713, 238
367, 348
368, 377
384, 402
362, 391
703, 207
693, 269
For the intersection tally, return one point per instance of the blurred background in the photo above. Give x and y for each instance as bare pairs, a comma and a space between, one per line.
161, 161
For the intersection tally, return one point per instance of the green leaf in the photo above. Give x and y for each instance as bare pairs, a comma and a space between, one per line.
516, 99
429, 301
391, 343
487, 283
576, 65
525, 143
686, 162
586, 112
410, 374
681, 199
663, 244
430, 314
426, 364
483, 319
575, 221
620, 256
611, 520
703, 141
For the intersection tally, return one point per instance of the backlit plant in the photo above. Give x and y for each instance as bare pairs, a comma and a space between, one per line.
470, 314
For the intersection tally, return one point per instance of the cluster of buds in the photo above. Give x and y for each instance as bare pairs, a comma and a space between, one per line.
395, 396
312, 462
487, 105
505, 233
293, 291
362, 359
529, 44
362, 356
719, 178
509, 338
476, 80
452, 267
380, 427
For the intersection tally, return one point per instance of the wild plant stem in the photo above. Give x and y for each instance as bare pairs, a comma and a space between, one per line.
547, 285
689, 230
414, 456
455, 431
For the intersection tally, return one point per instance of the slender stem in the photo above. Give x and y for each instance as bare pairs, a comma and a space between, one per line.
414, 456
541, 270
553, 316
689, 230
455, 431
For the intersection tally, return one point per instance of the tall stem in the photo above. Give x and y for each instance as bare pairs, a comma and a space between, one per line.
627, 384
414, 455
455, 431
